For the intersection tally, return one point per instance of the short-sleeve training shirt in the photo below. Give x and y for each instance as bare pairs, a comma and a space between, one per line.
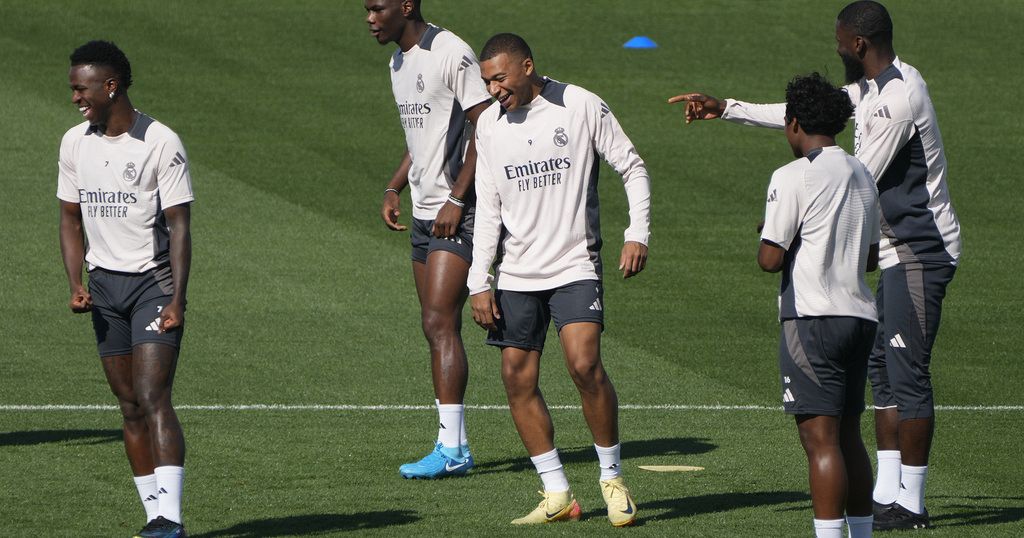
823, 210
434, 83
123, 184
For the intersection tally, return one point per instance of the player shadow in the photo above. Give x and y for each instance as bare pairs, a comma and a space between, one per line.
708, 504
41, 437
679, 446
312, 524
954, 512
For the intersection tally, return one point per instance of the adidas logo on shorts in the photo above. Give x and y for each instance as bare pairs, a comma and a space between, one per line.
787, 397
897, 342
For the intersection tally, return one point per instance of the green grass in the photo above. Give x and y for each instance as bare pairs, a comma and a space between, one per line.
300, 296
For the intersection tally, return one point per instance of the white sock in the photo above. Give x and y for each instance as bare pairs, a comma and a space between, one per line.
549, 467
437, 404
859, 526
828, 528
148, 495
170, 480
451, 424
912, 488
608, 459
887, 486
463, 439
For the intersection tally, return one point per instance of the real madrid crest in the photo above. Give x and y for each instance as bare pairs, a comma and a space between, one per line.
420, 86
129, 172
561, 139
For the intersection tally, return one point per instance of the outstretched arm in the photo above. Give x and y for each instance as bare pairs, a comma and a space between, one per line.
178, 222
704, 107
72, 250
699, 106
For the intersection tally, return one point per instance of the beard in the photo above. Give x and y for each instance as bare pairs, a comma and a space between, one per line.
854, 69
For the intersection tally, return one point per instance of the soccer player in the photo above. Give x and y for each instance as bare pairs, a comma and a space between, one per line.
821, 229
537, 195
897, 137
124, 179
436, 81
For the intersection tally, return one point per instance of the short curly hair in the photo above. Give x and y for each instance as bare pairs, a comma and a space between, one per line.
106, 54
818, 106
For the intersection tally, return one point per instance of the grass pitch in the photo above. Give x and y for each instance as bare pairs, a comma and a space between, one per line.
299, 296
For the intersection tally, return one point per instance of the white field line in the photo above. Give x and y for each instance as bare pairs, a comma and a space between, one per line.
345, 407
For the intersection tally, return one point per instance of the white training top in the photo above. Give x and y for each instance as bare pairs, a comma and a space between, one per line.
536, 176
434, 83
823, 209
897, 137
123, 184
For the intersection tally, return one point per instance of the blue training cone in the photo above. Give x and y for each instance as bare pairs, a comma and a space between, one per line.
640, 42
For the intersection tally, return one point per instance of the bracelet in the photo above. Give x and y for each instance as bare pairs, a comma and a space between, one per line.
456, 201
389, 189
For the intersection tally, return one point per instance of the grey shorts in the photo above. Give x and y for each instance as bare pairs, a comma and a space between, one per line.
461, 244
909, 301
823, 364
126, 309
525, 314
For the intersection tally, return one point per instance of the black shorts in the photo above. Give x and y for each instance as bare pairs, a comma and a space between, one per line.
461, 244
126, 309
909, 301
823, 364
525, 314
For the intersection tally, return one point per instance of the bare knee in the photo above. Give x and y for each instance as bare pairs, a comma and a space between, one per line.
152, 400
519, 383
588, 375
438, 325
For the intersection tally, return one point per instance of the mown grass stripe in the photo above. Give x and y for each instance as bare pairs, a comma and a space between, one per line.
353, 407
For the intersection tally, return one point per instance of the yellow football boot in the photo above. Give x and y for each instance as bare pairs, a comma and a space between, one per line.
556, 506
621, 507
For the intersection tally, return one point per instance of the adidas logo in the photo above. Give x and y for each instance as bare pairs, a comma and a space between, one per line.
466, 62
604, 110
883, 113
596, 305
150, 498
154, 325
773, 197
178, 160
787, 397
162, 491
897, 342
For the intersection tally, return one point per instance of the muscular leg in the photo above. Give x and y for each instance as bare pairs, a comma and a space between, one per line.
137, 446
153, 367
858, 467
582, 345
887, 427
520, 370
915, 436
441, 286
819, 436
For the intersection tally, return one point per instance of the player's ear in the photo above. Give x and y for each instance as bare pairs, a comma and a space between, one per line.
528, 66
110, 86
860, 46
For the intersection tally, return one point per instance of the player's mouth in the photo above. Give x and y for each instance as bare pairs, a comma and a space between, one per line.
505, 100
84, 110
375, 32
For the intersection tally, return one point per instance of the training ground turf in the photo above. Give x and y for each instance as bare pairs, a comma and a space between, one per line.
300, 298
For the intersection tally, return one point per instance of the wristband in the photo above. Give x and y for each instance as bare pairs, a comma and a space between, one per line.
389, 189
456, 201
